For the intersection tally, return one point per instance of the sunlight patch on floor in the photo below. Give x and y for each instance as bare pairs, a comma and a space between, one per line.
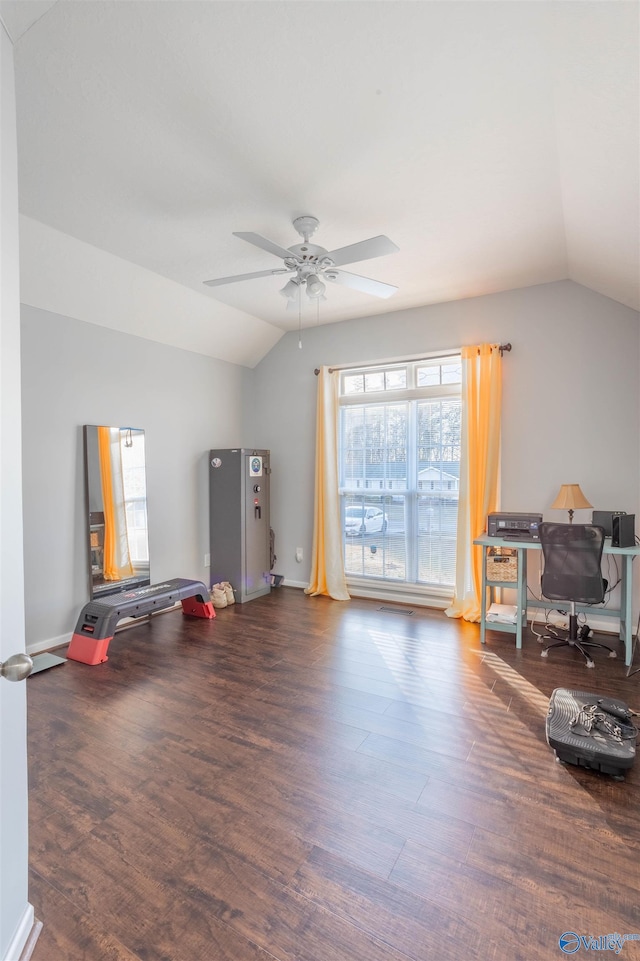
524, 688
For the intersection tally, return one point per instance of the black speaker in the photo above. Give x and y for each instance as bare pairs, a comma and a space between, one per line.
623, 530
605, 519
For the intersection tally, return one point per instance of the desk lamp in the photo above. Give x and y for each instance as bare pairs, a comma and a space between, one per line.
570, 498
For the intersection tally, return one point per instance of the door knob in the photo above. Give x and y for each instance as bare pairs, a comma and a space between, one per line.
17, 667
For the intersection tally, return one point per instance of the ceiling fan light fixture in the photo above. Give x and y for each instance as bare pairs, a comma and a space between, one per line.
315, 287
290, 289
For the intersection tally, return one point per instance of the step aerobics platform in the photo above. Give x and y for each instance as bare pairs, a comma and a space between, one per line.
98, 619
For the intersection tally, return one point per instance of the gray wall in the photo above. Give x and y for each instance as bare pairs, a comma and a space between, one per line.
570, 405
570, 414
75, 373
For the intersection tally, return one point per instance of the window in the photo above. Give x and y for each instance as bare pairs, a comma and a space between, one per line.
400, 470
135, 495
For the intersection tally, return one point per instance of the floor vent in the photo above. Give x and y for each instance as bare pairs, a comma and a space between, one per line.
397, 610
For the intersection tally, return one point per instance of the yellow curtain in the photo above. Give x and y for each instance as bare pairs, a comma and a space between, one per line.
327, 564
479, 470
117, 559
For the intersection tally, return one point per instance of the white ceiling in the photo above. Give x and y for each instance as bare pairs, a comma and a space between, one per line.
496, 143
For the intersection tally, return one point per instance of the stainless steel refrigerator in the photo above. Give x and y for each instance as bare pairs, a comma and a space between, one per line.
239, 525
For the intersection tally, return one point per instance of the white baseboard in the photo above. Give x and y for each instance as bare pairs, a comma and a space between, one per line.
32, 940
51, 643
602, 625
21, 936
37, 647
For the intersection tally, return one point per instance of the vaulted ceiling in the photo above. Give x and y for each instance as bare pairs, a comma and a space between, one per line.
496, 143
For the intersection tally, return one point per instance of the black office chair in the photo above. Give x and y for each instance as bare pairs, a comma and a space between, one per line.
572, 557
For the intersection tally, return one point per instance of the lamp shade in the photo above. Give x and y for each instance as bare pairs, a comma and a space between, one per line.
290, 290
315, 287
570, 498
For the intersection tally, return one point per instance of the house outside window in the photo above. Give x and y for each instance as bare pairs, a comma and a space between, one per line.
400, 471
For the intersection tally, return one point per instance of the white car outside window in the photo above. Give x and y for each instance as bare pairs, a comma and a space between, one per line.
363, 519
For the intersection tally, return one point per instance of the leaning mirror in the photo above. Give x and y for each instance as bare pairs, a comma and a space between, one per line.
116, 496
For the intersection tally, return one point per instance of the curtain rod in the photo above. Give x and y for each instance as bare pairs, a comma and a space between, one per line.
502, 348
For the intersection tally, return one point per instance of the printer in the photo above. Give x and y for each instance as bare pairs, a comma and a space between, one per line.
513, 526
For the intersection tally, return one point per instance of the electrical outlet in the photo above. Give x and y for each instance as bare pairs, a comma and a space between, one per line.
299, 554
207, 560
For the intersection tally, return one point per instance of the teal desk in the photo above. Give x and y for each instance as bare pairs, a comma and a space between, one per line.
624, 612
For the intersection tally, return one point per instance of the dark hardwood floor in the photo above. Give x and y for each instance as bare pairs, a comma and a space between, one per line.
302, 779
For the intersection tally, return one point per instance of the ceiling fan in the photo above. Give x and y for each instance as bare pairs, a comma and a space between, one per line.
311, 264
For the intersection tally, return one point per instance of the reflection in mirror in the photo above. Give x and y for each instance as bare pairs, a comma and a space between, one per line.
116, 490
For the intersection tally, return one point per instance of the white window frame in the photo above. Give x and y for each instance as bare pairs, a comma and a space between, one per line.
434, 595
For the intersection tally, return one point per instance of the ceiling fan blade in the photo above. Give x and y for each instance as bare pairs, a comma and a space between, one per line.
365, 250
260, 273
263, 243
364, 284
